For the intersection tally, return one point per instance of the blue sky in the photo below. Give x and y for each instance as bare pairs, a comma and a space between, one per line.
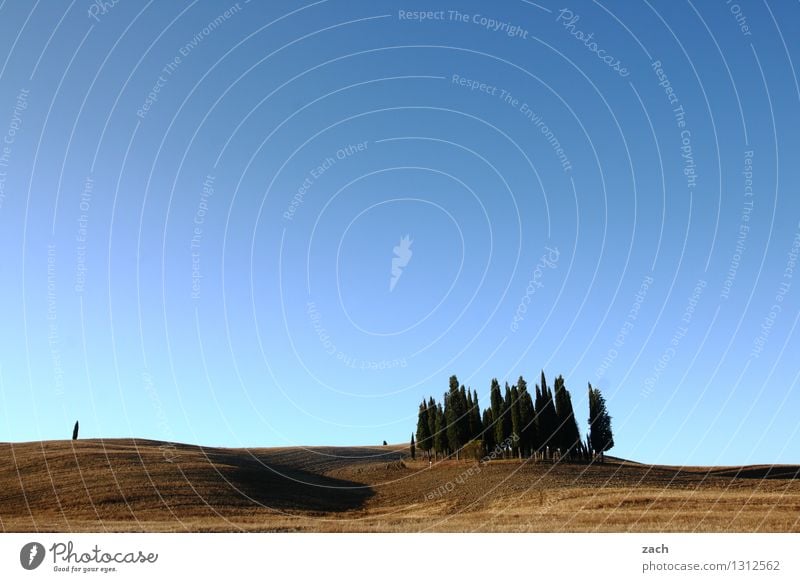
201, 202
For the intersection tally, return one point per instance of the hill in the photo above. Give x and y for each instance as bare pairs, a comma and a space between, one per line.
141, 485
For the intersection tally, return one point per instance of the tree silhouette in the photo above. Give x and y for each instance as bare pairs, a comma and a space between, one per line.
440, 433
488, 432
431, 421
544, 423
424, 437
569, 437
526, 418
455, 410
75, 431
547, 417
497, 412
516, 424
601, 438
476, 425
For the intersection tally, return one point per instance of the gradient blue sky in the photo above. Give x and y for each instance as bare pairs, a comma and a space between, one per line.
279, 327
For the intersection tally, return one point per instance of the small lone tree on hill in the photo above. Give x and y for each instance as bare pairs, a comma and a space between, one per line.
75, 431
413, 448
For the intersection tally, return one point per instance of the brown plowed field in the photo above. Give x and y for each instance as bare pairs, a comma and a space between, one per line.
140, 485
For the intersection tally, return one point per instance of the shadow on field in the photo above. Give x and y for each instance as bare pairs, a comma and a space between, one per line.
766, 472
126, 480
280, 486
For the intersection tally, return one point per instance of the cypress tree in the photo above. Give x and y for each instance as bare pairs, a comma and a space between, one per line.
516, 424
569, 437
75, 431
506, 420
537, 415
464, 418
431, 418
488, 431
413, 448
601, 437
470, 418
476, 416
453, 383
423, 433
527, 418
454, 416
548, 420
497, 412
440, 433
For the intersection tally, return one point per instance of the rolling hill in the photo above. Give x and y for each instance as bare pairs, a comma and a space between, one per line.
141, 485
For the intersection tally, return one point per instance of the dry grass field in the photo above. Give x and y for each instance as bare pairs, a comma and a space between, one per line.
139, 485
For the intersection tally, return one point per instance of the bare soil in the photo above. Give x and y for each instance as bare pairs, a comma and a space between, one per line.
140, 485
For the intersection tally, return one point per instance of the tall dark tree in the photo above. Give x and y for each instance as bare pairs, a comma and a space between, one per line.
516, 424
497, 412
548, 420
601, 437
488, 431
538, 405
470, 418
413, 448
424, 437
453, 387
476, 416
431, 418
527, 418
75, 431
464, 419
569, 437
454, 410
506, 419
440, 433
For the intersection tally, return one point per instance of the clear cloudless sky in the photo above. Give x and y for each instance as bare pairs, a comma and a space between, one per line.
202, 207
